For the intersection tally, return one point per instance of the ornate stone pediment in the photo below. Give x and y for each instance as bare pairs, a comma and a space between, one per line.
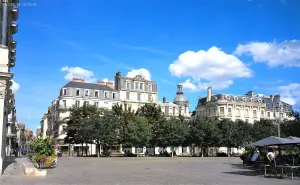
139, 77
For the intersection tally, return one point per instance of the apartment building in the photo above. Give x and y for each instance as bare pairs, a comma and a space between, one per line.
78, 93
8, 27
249, 107
179, 106
135, 92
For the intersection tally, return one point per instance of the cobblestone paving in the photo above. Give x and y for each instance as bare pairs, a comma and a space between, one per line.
147, 171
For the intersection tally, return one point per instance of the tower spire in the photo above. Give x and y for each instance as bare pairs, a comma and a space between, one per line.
179, 89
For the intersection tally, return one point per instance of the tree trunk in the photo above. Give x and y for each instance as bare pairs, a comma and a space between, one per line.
86, 149
201, 151
82, 149
91, 149
98, 149
228, 151
172, 151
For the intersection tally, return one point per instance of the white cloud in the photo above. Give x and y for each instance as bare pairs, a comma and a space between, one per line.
274, 54
78, 72
106, 80
143, 72
15, 86
212, 67
291, 94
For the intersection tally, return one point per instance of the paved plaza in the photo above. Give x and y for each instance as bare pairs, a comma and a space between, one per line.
144, 171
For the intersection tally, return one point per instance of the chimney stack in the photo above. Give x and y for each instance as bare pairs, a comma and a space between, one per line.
250, 93
164, 100
77, 80
271, 97
209, 93
100, 82
110, 84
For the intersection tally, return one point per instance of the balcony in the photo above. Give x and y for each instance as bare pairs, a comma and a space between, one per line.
63, 108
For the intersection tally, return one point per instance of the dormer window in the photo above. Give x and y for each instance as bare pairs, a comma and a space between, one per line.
150, 87
77, 92
136, 85
96, 94
127, 85
86, 93
114, 95
64, 92
106, 95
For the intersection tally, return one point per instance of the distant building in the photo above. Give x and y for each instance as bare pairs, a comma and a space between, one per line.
28, 133
249, 107
38, 133
21, 134
135, 92
180, 105
78, 93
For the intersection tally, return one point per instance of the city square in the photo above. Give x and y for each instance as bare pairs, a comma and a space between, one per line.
148, 171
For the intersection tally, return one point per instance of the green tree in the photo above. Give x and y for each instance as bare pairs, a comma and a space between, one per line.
203, 132
172, 132
244, 133
78, 128
291, 127
138, 132
227, 131
263, 128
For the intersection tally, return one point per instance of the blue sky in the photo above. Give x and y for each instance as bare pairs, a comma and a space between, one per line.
233, 45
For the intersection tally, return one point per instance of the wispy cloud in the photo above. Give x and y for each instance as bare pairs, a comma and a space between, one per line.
45, 26
111, 61
74, 45
167, 81
144, 48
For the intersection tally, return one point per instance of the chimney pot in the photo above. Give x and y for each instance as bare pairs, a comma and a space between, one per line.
78, 80
110, 84
164, 100
101, 82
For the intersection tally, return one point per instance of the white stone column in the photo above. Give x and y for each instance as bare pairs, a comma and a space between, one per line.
4, 84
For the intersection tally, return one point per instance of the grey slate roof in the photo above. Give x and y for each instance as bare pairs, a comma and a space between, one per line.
255, 98
85, 85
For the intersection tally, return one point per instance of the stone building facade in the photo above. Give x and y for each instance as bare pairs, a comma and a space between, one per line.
180, 105
8, 14
78, 93
135, 92
249, 107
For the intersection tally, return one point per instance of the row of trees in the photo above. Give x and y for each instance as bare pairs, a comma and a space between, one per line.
149, 127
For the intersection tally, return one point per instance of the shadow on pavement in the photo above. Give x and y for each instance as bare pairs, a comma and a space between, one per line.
245, 173
8, 162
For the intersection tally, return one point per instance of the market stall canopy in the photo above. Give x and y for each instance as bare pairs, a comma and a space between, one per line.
272, 140
294, 140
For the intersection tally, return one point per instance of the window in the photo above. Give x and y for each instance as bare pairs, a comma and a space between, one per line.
246, 113
269, 114
150, 87
173, 111
167, 110
222, 110
238, 113
274, 115
136, 85
86, 93
97, 104
96, 94
64, 91
141, 86
246, 120
139, 96
77, 103
77, 92
127, 95
229, 111
254, 113
85, 103
106, 95
262, 114
114, 95
127, 85
64, 103
208, 112
281, 115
